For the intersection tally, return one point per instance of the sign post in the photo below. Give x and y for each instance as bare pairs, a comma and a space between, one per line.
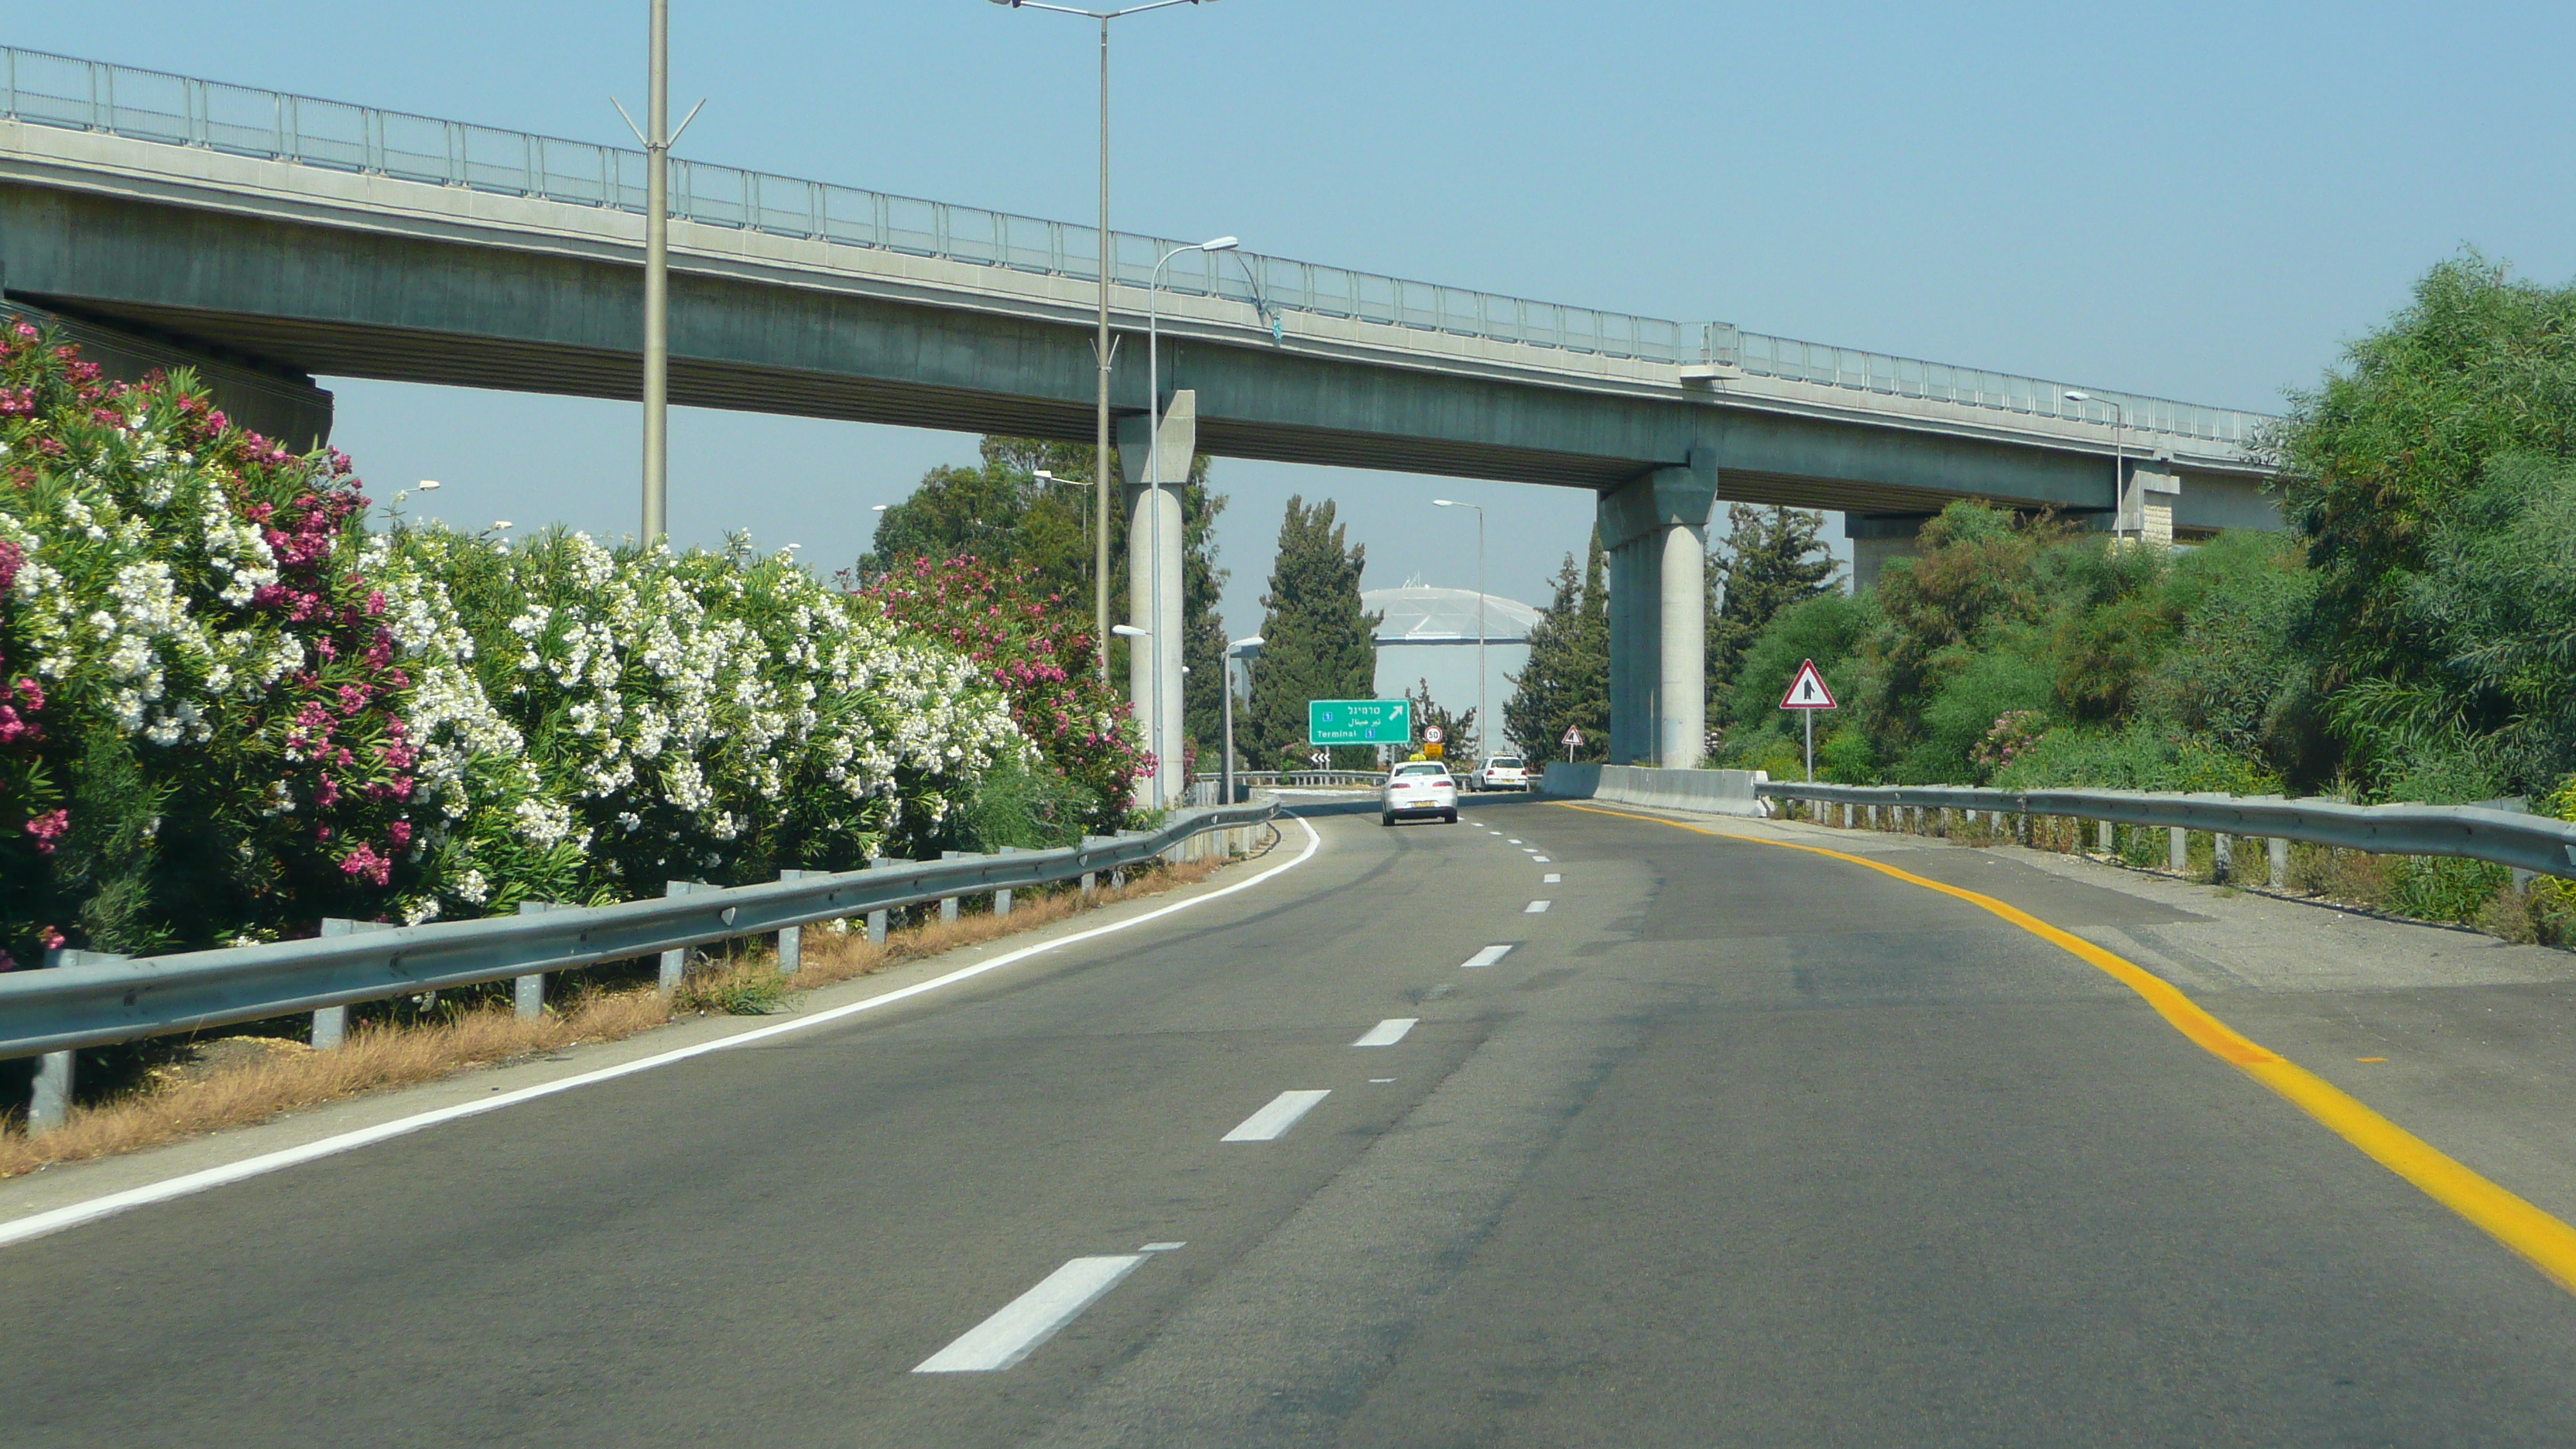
1573, 741
1807, 694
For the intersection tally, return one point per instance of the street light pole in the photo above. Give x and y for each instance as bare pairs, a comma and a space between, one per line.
657, 137
1483, 723
657, 285
2119, 461
1100, 343
1154, 483
1242, 649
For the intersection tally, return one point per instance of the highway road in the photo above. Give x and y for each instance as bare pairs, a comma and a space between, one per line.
1723, 1143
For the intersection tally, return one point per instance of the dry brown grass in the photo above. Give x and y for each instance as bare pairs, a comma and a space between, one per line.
261, 1077
286, 1075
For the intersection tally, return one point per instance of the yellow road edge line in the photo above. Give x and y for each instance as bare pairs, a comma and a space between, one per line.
2544, 1241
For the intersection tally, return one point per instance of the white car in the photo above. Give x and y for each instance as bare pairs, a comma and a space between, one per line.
1418, 788
1502, 772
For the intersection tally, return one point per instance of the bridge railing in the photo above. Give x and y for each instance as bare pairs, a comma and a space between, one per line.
54, 90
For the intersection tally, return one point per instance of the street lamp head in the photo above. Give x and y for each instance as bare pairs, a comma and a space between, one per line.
2078, 395
1254, 642
430, 485
1129, 631
1444, 502
877, 507
1221, 244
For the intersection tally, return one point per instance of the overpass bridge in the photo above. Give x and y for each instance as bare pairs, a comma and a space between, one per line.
270, 238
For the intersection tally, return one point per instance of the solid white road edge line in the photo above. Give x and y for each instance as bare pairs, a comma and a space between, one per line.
1487, 957
1273, 1121
1534, 908
1032, 1318
37, 1225
1389, 1031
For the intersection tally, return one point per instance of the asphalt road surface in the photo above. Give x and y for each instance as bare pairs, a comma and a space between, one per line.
1733, 1144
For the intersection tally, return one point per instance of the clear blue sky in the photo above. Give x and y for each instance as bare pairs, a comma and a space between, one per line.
2195, 200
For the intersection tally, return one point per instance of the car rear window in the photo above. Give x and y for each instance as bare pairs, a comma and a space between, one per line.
1503, 762
1422, 769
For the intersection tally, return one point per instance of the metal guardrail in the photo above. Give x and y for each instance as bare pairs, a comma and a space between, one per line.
96, 1003
1303, 779
2532, 843
45, 89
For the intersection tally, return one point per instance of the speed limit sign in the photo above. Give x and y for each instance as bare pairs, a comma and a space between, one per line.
1431, 735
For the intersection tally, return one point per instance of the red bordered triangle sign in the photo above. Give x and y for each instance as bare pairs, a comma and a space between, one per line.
1808, 691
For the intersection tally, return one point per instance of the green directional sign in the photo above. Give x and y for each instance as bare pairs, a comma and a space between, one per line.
1359, 721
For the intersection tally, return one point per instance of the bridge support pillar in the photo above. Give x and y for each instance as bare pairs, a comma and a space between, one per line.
283, 404
1155, 562
1656, 533
1878, 539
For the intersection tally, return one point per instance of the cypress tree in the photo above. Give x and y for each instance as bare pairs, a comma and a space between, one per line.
1318, 643
1567, 679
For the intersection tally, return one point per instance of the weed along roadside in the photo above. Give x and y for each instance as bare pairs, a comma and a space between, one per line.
169, 1089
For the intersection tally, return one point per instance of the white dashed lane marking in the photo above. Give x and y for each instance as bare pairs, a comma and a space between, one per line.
1535, 908
1551, 878
1032, 1318
1273, 1121
1389, 1031
1488, 956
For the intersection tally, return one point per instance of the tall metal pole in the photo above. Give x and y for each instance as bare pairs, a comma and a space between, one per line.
2120, 469
1483, 723
1100, 444
1225, 765
657, 283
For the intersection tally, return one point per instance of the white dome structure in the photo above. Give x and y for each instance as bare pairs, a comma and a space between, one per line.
1429, 634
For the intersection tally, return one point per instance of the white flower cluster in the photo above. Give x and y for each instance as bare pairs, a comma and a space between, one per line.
667, 709
131, 557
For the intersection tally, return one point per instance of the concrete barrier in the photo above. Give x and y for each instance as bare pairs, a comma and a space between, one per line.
1709, 792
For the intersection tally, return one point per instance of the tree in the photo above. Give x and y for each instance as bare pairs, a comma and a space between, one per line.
1566, 683
1458, 742
1317, 642
2478, 366
1771, 558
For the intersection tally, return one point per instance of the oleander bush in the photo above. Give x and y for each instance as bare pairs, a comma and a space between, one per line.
229, 706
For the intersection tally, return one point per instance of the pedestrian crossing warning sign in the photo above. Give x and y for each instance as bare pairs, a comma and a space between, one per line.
1807, 691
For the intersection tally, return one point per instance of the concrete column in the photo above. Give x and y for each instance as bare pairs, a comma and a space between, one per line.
1876, 539
1155, 565
2154, 488
1681, 706
278, 401
1655, 531
1631, 583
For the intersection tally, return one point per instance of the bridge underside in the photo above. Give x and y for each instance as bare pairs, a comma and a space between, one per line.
287, 299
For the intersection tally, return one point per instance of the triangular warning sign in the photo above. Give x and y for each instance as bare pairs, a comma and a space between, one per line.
1807, 691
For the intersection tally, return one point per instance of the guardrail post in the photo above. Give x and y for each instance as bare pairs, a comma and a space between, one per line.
1002, 896
528, 992
51, 1102
2177, 848
331, 1023
675, 963
948, 904
791, 939
2105, 840
2222, 856
878, 919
